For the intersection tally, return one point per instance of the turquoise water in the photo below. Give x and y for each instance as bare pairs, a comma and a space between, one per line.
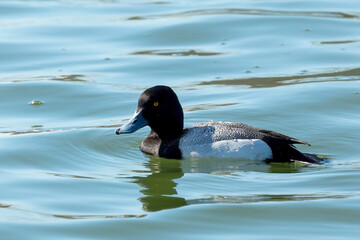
71, 73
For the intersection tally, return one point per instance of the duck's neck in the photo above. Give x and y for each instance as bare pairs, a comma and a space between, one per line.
168, 129
167, 133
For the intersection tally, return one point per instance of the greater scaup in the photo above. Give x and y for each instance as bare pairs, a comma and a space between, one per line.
159, 108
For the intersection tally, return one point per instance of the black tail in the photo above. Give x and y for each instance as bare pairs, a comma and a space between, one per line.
288, 153
311, 158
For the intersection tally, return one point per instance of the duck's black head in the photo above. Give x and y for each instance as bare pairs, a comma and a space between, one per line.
160, 109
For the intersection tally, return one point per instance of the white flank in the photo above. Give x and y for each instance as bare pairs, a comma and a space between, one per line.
250, 149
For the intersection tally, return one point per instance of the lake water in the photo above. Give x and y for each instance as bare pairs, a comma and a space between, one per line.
71, 73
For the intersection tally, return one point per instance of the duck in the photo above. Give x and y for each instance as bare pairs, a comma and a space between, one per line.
159, 108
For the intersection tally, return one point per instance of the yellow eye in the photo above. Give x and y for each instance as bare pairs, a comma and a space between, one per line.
156, 104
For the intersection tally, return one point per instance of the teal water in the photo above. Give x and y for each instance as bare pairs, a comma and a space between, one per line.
71, 73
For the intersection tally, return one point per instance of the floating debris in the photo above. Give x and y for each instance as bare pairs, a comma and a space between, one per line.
36, 102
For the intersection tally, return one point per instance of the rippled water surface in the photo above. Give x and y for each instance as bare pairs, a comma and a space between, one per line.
71, 73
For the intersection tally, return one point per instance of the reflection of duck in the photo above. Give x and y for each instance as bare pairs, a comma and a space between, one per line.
160, 189
230, 165
160, 185
160, 108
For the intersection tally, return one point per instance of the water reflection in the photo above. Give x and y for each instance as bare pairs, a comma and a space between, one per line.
61, 78
266, 82
70, 78
206, 106
39, 129
264, 198
37, 215
159, 187
243, 11
77, 217
335, 42
176, 52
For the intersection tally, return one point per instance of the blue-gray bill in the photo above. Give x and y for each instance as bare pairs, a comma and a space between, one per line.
134, 124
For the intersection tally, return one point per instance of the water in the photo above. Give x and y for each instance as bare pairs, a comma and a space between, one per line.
71, 73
